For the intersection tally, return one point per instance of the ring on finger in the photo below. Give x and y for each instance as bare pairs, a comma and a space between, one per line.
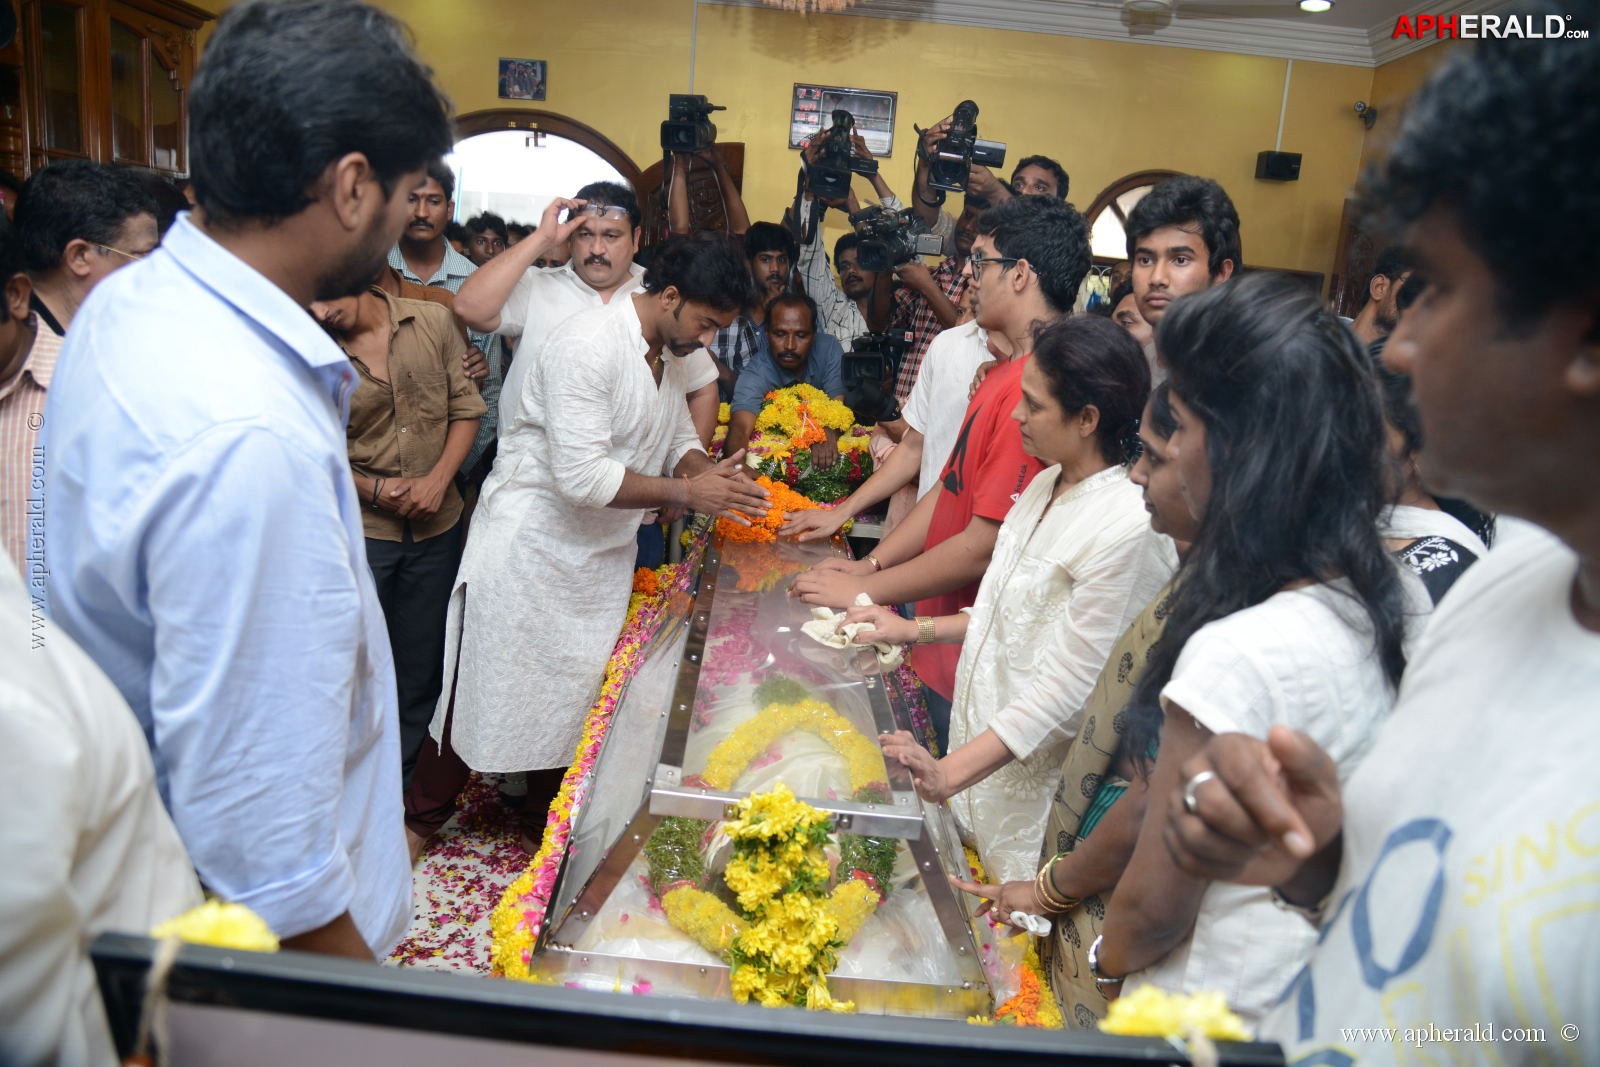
1191, 803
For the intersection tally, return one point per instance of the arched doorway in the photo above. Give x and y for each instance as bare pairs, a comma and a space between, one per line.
514, 161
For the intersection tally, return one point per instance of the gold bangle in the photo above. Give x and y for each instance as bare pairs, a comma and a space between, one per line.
924, 630
876, 566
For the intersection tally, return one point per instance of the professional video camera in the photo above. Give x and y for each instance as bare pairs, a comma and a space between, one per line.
890, 238
688, 127
828, 177
951, 162
869, 371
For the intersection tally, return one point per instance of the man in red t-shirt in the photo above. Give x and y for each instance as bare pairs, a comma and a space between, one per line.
1027, 261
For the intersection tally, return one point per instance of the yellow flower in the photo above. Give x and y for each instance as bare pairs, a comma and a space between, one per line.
223, 925
757, 734
1152, 1012
724, 413
710, 922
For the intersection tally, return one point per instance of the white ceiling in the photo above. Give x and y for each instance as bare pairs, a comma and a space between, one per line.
1355, 32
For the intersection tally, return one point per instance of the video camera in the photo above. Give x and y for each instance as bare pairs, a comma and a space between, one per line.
890, 238
828, 178
950, 164
869, 370
688, 127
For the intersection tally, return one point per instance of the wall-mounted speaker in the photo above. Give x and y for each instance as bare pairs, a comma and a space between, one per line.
1278, 166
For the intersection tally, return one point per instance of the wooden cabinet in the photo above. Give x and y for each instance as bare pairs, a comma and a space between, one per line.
106, 80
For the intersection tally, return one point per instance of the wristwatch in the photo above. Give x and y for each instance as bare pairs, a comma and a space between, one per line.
1100, 979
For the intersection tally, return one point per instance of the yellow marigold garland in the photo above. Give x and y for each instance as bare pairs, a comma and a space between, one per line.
223, 925
518, 917
800, 413
708, 921
755, 735
1151, 1012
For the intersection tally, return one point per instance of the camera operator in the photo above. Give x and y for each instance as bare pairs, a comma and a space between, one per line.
929, 300
770, 249
680, 219
1034, 176
791, 352
861, 301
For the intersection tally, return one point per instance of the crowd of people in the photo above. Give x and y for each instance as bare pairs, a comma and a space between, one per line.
1258, 643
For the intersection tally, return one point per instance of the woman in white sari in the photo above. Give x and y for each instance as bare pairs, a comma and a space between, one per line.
1076, 561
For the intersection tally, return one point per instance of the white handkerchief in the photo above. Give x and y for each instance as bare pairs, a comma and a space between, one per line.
1037, 925
824, 628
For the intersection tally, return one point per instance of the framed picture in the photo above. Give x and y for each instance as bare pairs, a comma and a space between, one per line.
813, 106
521, 79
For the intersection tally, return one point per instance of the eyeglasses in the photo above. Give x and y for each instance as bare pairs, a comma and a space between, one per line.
125, 255
979, 261
604, 211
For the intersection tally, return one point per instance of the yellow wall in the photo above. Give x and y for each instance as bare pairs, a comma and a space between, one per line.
1103, 108
1392, 84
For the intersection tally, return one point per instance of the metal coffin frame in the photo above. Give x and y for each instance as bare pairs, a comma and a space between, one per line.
928, 831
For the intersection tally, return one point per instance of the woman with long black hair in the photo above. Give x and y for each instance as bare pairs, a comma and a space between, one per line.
1289, 609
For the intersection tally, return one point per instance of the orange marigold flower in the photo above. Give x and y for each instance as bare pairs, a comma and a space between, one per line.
765, 528
646, 581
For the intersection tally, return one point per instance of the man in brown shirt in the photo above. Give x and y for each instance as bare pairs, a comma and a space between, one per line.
413, 417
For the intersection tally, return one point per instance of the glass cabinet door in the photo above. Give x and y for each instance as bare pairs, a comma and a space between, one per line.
129, 78
61, 99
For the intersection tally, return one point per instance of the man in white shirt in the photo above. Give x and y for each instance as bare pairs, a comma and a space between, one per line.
511, 297
1454, 876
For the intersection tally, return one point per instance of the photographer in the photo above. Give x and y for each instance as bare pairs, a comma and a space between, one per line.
929, 300
1034, 175
790, 352
860, 301
770, 249
680, 219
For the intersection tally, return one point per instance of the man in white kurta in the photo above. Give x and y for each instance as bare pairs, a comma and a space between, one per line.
543, 586
601, 433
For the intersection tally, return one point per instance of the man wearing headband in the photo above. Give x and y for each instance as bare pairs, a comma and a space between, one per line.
511, 297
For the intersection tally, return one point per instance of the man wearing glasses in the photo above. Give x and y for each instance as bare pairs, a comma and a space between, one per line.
78, 222
1028, 259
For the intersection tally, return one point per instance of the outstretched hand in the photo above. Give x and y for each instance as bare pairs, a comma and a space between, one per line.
999, 901
813, 524
1268, 807
927, 773
726, 490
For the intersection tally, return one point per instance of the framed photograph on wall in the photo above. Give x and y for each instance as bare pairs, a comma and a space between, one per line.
521, 79
813, 106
